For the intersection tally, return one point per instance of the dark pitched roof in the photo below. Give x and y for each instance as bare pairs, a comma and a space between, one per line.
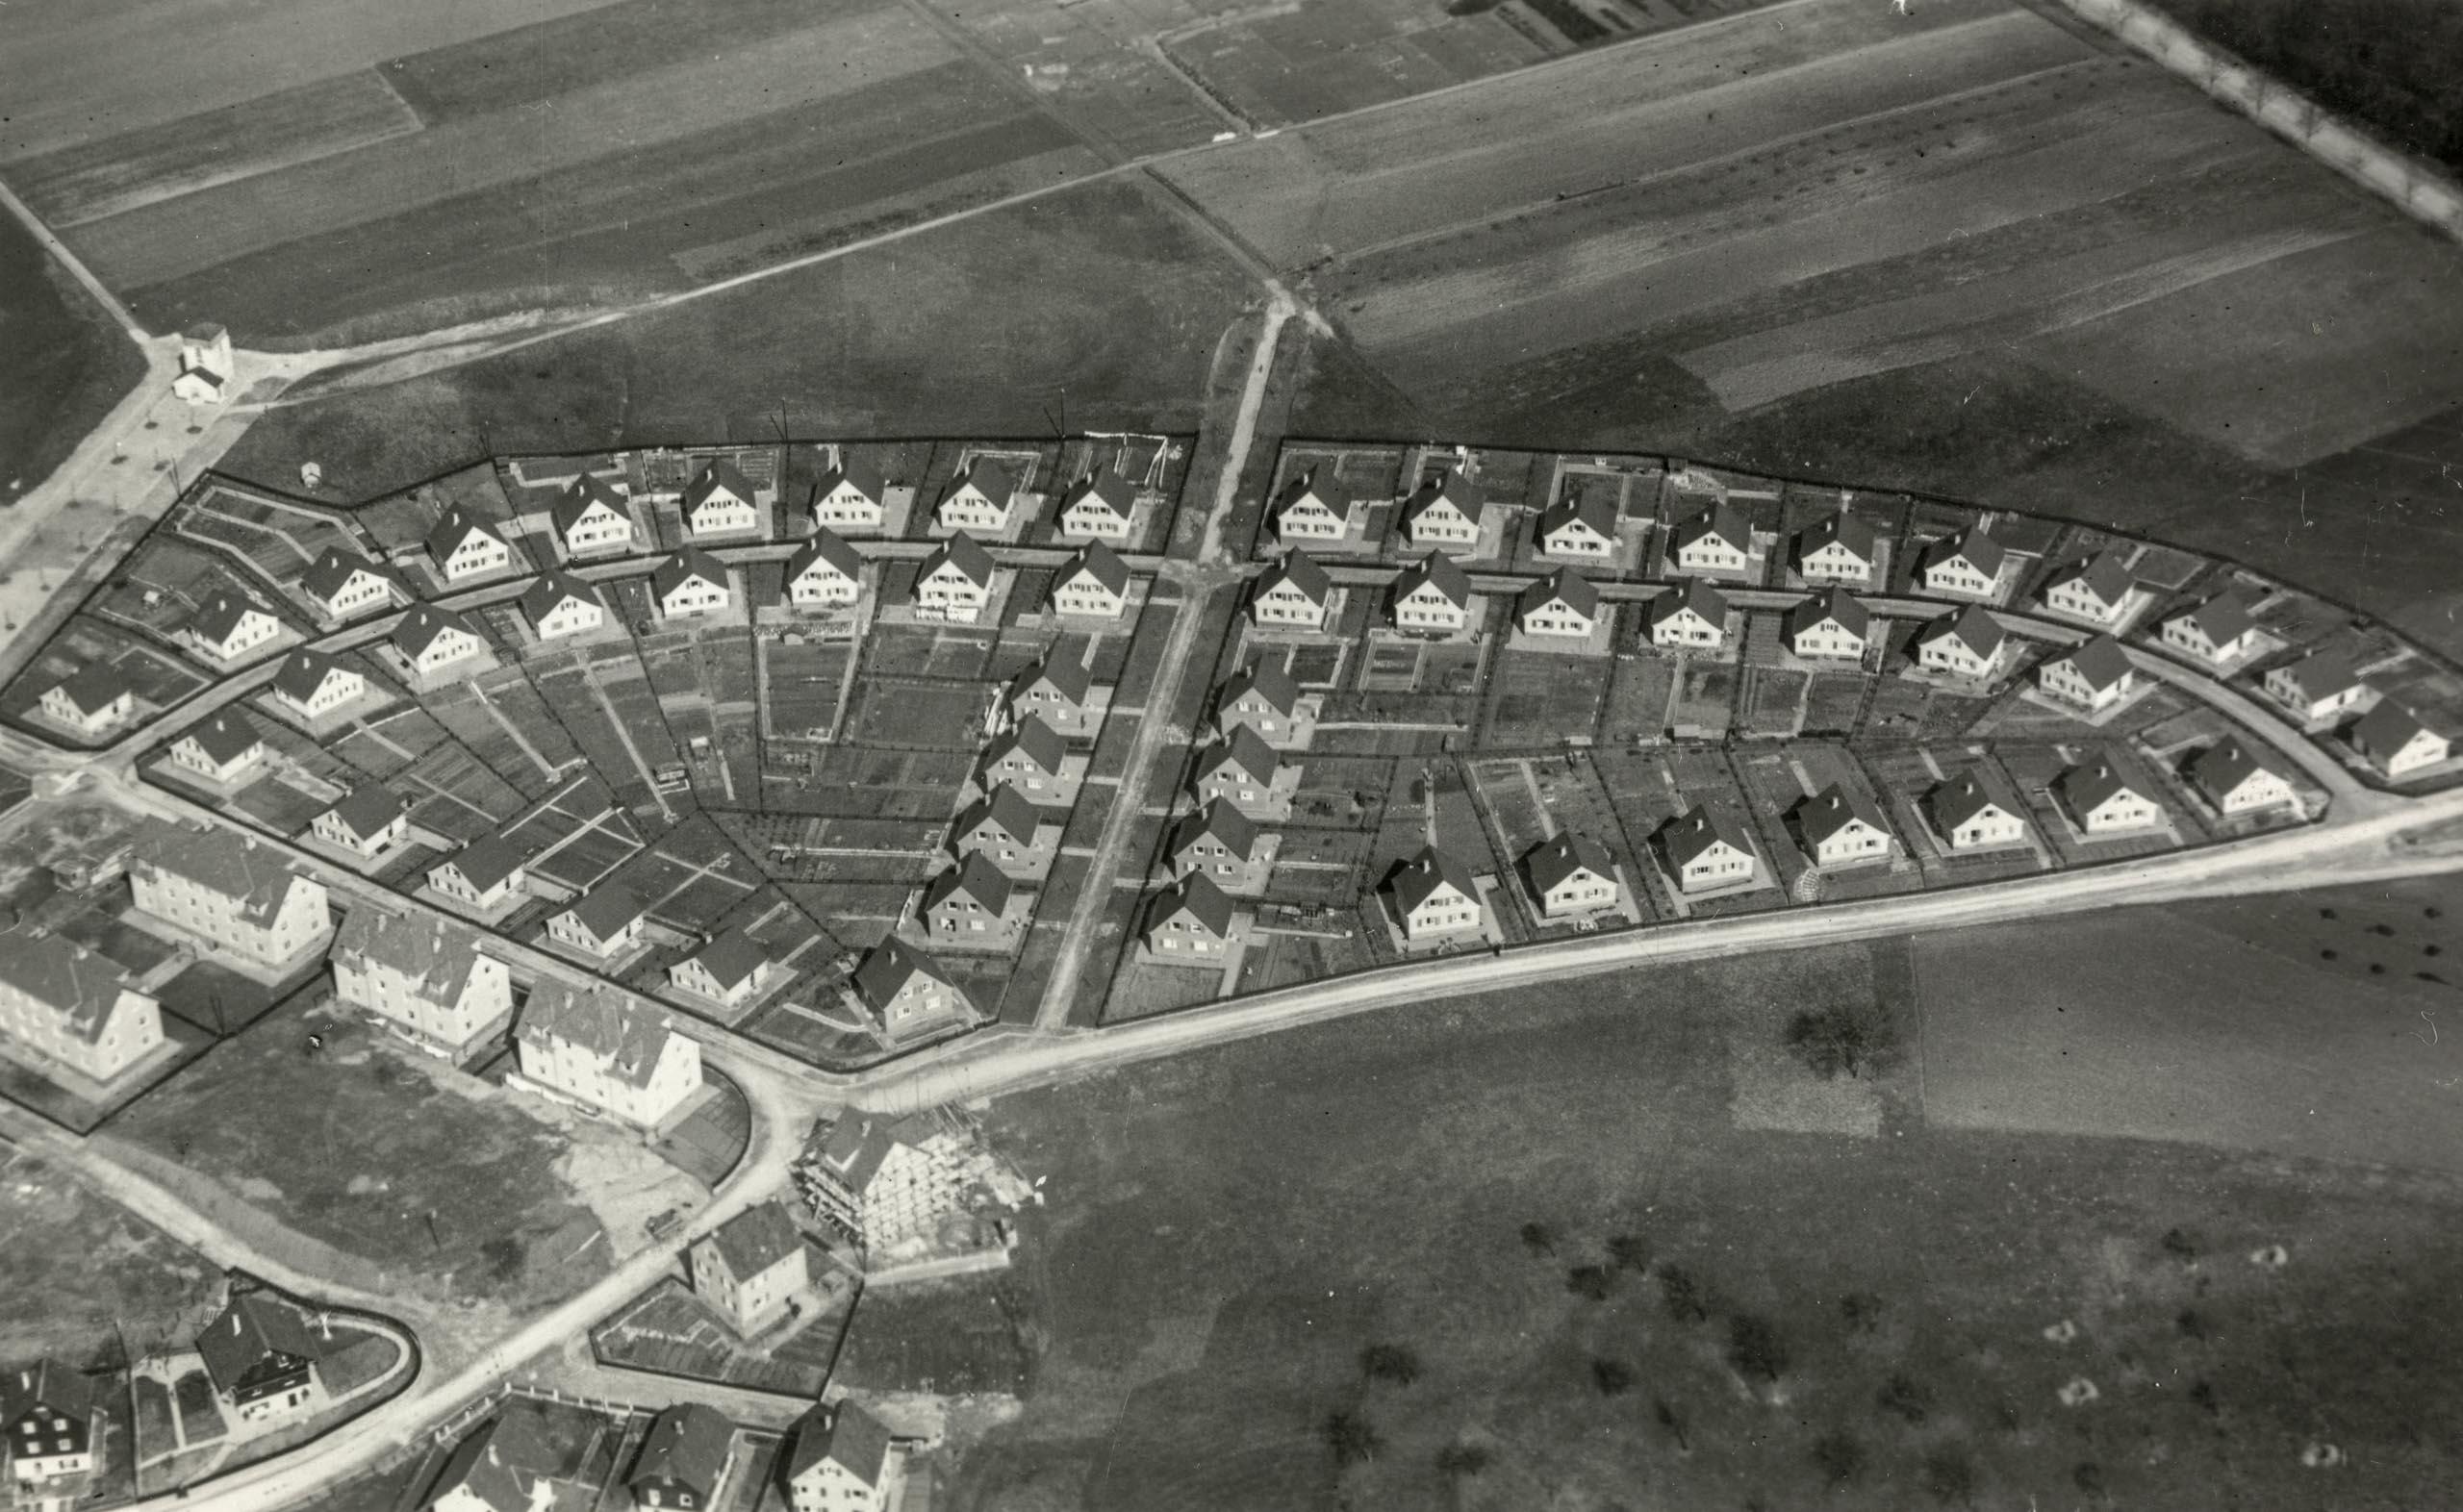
1831, 809
1438, 571
2226, 765
222, 613
1245, 748
1071, 679
1334, 497
1195, 894
1832, 604
684, 566
853, 1149
1691, 834
688, 1444
1220, 821
863, 472
1104, 487
1035, 740
489, 860
1563, 584
1417, 879
2387, 727
80, 985
541, 598
1962, 798
856, 1440
1267, 677
2101, 660
414, 632
2225, 618
501, 1462
1563, 854
824, 545
1301, 570
2091, 783
963, 552
991, 479
756, 1239
2103, 574
333, 568
93, 687
579, 496
1695, 595
367, 807
455, 526
732, 957
224, 738
1100, 562
1449, 487
256, 1324
303, 672
607, 909
601, 1021
1842, 529
2321, 674
233, 865
438, 955
47, 1385
717, 473
1978, 631
1595, 508
975, 879
1975, 545
1726, 521
1005, 807
886, 969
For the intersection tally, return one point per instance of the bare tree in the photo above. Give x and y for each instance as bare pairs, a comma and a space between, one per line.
1673, 1423
1539, 1239
1460, 1461
1906, 1397
1843, 1039
1683, 1296
1949, 1480
1755, 1348
1613, 1377
1392, 1363
1349, 1435
1628, 1253
1593, 1281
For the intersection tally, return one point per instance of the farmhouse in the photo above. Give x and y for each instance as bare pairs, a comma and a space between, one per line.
591, 516
91, 700
685, 1459
886, 1181
730, 971
1443, 512
979, 500
1841, 827
262, 1356
690, 583
838, 1461
1706, 850
1190, 920
603, 924
1581, 525
1054, 692
2217, 632
423, 978
1967, 566
851, 495
221, 748
907, 991
47, 1413
483, 874
969, 898
1099, 505
228, 626
1239, 770
1217, 840
1093, 582
1565, 604
2393, 739
753, 1266
433, 638
1571, 876
1305, 512
1971, 818
464, 546
1718, 540
2235, 781
825, 573
1435, 898
1006, 827
1030, 756
1261, 695
1430, 597
560, 604
1294, 592
512, 1465
2093, 676
1967, 643
2100, 801
2320, 686
2094, 589
954, 582
719, 501
62, 1004
228, 890
344, 583
1692, 617
1839, 549
1835, 624
311, 684
366, 820
605, 1051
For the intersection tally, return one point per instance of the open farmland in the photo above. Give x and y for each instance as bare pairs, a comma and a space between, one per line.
72, 361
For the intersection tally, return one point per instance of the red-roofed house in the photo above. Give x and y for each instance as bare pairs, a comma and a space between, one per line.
433, 638
1292, 594
591, 516
368, 820
825, 573
1304, 511
732, 970
1581, 526
2093, 676
1708, 849
1099, 505
692, 582
2320, 686
1966, 566
1435, 898
753, 1266
51, 1424
464, 546
1967, 643
1241, 770
954, 583
719, 501
1189, 923
344, 583
2217, 632
1840, 549
1720, 540
1833, 625
1690, 617
1093, 583
1006, 827
2393, 739
2094, 589
979, 500
1841, 827
311, 684
685, 1460
1571, 876
2235, 780
1430, 597
851, 495
222, 748
2100, 801
228, 626
485, 874
605, 1051
1443, 512
1054, 691
907, 993
1970, 818
560, 604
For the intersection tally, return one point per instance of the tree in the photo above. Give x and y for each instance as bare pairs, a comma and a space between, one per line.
1674, 1425
1755, 1348
1461, 1461
1630, 1252
1351, 1438
1539, 1239
1906, 1397
1840, 1457
1390, 1362
1683, 1296
2179, 1245
1613, 1377
1949, 1480
1842, 1038
1863, 1311
1590, 1280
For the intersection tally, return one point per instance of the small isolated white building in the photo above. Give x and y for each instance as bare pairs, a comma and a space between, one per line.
826, 572
2235, 781
690, 584
1292, 594
1692, 617
207, 366
1841, 826
2393, 739
1435, 897
2093, 676
1571, 876
1563, 605
954, 583
1306, 509
1708, 849
1967, 566
1430, 597
2218, 631
2100, 801
1970, 818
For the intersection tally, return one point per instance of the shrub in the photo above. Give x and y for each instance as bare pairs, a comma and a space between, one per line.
1351, 1438
1539, 1239
1755, 1348
1949, 1480
1628, 1253
1613, 1377
1842, 1039
1840, 1456
1590, 1280
1461, 1461
1390, 1362
1906, 1397
1863, 1311
1683, 1296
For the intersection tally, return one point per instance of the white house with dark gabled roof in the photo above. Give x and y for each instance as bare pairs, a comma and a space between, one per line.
1563, 605
560, 604
2099, 801
2094, 589
1219, 842
690, 584
600, 1048
1006, 827
685, 1460
1093, 583
485, 874
1435, 897
1307, 510
1833, 625
52, 1424
1240, 769
367, 821
1718, 540
1099, 507
342, 583
1443, 512
230, 891
464, 546
2392, 738
2093, 676
2218, 631
432, 639
1571, 876
1965, 643
2320, 686
1261, 695
1031, 757
826, 572
838, 1460
979, 500
719, 501
1294, 592
603, 924
1581, 526
591, 516
1967, 566
851, 495
1840, 549
2235, 780
954, 582
223, 748
427, 979
229, 625
1967, 815
311, 684
1691, 616
1432, 596
91, 700
1706, 850
1053, 690
752, 1267
729, 971
1841, 827
64, 1005
1191, 923
906, 992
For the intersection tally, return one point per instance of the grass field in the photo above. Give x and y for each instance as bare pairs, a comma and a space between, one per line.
78, 1264
73, 362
